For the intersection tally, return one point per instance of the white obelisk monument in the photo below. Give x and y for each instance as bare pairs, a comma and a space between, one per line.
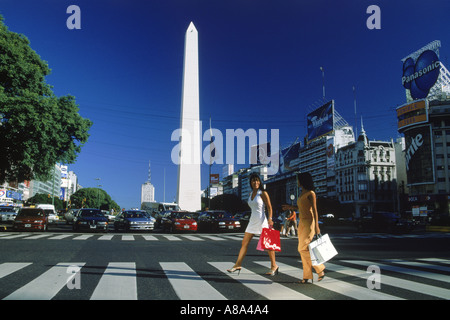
189, 186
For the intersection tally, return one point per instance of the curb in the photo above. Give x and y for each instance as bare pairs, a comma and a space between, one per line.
437, 229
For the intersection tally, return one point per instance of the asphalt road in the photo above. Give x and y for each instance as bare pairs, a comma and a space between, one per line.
189, 267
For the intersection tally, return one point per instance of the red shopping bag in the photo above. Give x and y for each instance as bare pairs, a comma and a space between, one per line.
269, 240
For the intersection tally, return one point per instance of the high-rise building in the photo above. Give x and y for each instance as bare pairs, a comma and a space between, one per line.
147, 189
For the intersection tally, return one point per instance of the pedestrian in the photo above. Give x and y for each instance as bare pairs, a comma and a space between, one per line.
291, 222
308, 225
257, 201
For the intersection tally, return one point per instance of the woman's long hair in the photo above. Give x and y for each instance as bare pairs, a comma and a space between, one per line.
305, 180
254, 176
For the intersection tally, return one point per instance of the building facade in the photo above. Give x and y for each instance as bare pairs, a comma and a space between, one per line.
147, 192
366, 175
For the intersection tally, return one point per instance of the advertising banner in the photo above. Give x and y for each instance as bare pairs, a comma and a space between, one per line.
286, 156
412, 113
320, 121
419, 155
421, 70
214, 178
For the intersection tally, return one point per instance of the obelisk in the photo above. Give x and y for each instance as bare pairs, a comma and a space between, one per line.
189, 185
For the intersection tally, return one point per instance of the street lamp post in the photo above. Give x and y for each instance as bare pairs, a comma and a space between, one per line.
98, 193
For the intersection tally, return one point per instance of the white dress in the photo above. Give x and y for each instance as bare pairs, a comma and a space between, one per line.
258, 219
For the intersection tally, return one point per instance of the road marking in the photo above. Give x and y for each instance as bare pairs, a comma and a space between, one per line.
335, 285
39, 236
261, 285
61, 236
172, 238
106, 237
127, 238
421, 273
396, 282
47, 285
193, 238
214, 238
151, 238
117, 283
13, 236
83, 237
187, 284
11, 267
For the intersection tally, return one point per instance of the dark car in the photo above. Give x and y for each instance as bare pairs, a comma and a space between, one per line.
214, 221
31, 219
244, 218
383, 222
90, 219
178, 221
134, 220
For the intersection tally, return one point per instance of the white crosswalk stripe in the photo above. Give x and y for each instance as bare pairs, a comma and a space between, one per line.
262, 285
11, 267
47, 285
338, 286
120, 280
122, 237
117, 283
402, 283
187, 284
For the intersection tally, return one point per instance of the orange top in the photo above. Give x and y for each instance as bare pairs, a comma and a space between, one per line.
305, 209
293, 216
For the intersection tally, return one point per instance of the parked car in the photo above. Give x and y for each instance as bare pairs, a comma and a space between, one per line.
90, 219
31, 219
178, 221
133, 220
70, 215
7, 214
383, 222
214, 221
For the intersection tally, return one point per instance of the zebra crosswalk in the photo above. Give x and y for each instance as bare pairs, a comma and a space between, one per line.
122, 237
199, 237
427, 278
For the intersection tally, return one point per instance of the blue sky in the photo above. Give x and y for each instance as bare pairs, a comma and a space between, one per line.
259, 68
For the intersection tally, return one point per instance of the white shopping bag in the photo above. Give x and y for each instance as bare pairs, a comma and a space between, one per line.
321, 250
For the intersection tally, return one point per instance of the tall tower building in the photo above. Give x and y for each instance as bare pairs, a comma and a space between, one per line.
189, 186
147, 189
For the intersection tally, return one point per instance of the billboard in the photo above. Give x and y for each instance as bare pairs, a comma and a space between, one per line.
287, 155
419, 155
412, 113
421, 70
321, 121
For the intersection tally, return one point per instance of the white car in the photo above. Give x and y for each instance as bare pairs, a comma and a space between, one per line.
53, 218
7, 214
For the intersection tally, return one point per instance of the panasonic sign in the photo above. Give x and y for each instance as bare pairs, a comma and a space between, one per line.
421, 70
417, 74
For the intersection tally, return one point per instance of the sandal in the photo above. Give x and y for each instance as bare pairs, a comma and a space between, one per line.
321, 276
234, 269
305, 281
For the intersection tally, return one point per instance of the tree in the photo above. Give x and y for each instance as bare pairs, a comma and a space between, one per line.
93, 198
42, 198
37, 128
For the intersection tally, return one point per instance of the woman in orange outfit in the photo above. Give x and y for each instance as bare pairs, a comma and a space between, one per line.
308, 225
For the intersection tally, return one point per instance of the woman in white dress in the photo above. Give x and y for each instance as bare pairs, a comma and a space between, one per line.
258, 200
